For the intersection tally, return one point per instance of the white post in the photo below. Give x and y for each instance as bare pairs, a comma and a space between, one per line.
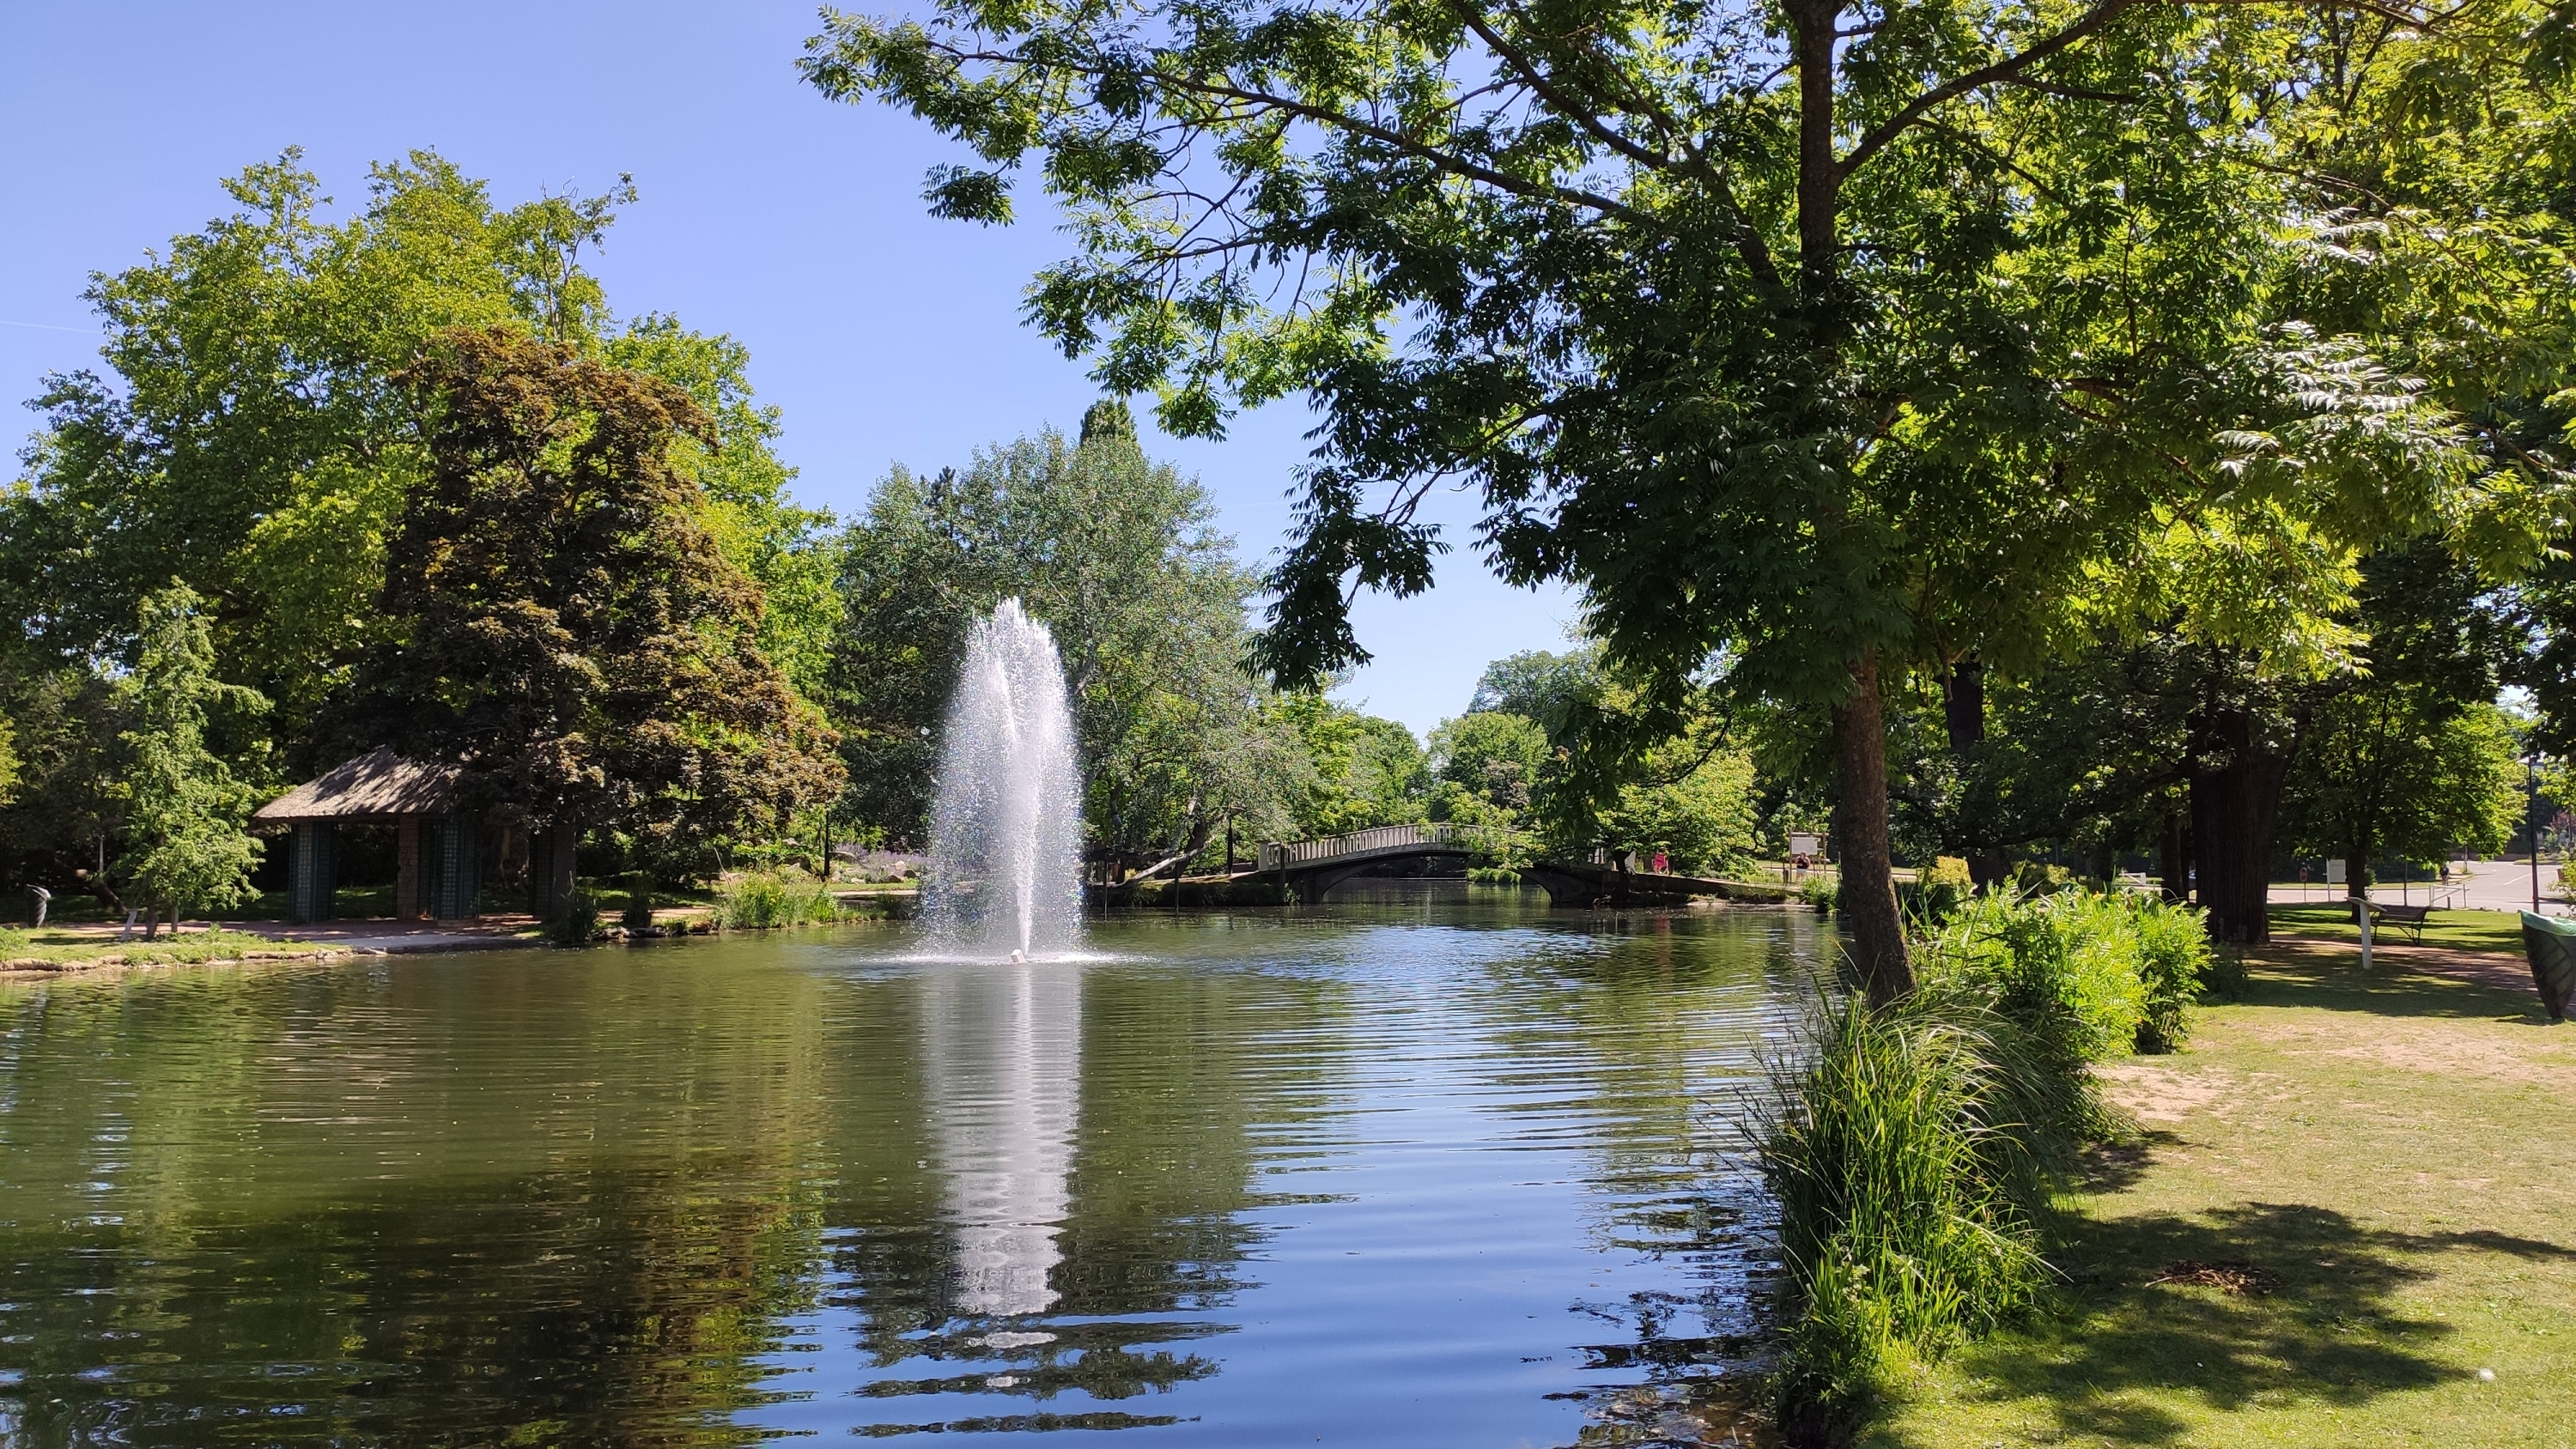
2361, 912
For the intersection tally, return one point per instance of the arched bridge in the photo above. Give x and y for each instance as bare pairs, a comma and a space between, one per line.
1312, 867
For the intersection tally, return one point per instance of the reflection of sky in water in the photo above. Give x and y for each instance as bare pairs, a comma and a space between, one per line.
1403, 1171
1003, 1048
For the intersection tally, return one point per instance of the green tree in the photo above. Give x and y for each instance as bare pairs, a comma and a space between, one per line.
783, 547
252, 440
1358, 770
1700, 811
2398, 771
561, 624
1833, 341
1486, 767
185, 845
1117, 556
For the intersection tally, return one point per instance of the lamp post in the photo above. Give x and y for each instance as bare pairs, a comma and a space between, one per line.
2531, 822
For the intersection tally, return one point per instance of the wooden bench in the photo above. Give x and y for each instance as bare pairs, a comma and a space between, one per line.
2409, 919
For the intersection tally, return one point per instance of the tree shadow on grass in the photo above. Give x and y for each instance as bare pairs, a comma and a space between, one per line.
2122, 1354
2393, 987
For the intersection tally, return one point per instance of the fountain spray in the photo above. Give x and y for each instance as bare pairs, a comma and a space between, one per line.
1005, 839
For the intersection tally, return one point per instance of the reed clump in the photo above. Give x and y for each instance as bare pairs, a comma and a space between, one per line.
1915, 1148
762, 900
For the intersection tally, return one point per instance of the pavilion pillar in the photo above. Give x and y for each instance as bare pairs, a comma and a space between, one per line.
553, 855
456, 887
407, 892
312, 878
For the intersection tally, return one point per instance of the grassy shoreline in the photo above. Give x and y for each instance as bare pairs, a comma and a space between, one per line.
2382, 1161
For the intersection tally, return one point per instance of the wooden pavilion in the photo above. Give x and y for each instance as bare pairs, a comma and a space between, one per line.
438, 870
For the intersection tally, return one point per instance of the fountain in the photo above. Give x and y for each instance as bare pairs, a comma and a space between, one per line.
1005, 839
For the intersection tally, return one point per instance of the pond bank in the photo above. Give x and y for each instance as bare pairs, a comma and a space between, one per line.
2353, 1195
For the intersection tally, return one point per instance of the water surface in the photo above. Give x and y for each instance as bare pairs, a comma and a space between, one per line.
1429, 1167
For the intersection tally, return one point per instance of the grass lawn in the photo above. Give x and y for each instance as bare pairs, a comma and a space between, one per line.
2461, 930
2393, 1159
48, 948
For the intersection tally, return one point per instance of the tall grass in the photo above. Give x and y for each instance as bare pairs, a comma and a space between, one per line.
1915, 1148
759, 900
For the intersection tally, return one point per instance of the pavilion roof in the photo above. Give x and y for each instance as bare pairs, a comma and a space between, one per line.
377, 786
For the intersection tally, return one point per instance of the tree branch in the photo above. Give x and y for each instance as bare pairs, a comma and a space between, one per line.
2009, 68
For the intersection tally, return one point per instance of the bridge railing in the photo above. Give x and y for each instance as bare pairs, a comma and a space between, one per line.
1382, 839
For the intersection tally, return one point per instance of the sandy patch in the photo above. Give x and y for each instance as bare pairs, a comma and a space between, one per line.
2161, 1089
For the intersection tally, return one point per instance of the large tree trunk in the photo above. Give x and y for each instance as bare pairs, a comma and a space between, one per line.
1867, 898
1963, 710
2235, 802
2173, 859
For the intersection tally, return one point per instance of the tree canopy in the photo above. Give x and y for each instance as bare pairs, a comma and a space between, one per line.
1817, 343
558, 620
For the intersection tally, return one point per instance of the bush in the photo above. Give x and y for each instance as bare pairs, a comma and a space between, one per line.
579, 923
1899, 1222
2033, 877
760, 900
1915, 1151
2177, 963
1942, 887
637, 918
1819, 891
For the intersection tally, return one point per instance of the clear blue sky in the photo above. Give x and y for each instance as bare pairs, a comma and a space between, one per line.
767, 212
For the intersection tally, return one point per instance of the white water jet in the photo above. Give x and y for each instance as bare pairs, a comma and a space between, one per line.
1005, 840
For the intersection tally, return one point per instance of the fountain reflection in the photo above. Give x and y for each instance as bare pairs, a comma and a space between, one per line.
1002, 1045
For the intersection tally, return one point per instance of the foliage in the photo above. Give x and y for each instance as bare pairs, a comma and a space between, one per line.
1820, 891
559, 622
1827, 350
578, 924
2408, 755
1915, 1146
1694, 804
785, 549
637, 915
1898, 1225
2176, 962
1551, 690
185, 842
1117, 556
1942, 887
1361, 771
760, 900
253, 440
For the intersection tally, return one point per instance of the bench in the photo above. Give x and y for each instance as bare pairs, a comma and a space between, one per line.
2409, 919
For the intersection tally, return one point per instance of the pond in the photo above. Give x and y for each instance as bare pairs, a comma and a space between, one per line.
1431, 1165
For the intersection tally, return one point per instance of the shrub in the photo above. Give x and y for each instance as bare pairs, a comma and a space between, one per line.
1899, 1222
1915, 1151
1822, 892
759, 900
579, 923
2177, 963
2033, 877
1942, 887
637, 918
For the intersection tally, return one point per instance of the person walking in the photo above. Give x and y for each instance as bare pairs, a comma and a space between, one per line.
1663, 864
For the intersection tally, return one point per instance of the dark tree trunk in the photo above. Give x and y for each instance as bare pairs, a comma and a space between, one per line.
1963, 711
1867, 896
2174, 859
2235, 803
2356, 868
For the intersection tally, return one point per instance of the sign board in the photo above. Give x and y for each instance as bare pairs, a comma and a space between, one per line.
2334, 872
1807, 843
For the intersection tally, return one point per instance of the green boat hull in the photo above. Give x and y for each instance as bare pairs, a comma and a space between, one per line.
2550, 942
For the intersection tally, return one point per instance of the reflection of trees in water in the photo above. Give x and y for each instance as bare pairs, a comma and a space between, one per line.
443, 1205
1172, 1078
1617, 1026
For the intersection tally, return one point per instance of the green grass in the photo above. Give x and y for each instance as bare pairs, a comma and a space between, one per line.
51, 949
2393, 1151
2461, 930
